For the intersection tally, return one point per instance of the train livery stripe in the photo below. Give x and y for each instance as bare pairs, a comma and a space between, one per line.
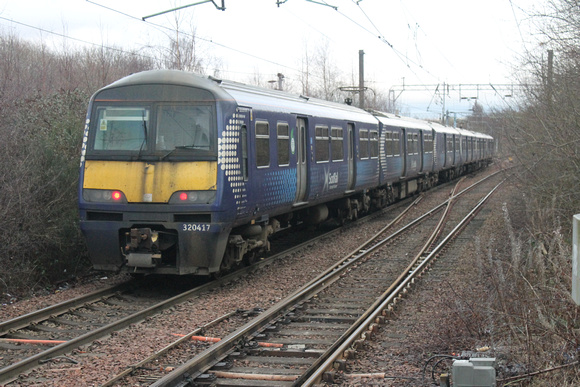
150, 182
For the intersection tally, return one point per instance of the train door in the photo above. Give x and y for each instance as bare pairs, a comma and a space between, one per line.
444, 150
302, 160
421, 151
404, 151
460, 151
454, 158
350, 157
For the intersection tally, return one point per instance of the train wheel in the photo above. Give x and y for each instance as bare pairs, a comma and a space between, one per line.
251, 258
340, 217
227, 262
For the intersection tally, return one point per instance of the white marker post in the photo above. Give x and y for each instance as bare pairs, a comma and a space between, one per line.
575, 258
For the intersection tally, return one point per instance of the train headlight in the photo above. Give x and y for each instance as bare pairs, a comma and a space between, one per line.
193, 197
104, 196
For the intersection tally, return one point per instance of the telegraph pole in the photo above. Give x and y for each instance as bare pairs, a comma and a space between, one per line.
443, 109
361, 79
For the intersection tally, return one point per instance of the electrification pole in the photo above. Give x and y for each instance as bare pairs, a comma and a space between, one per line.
361, 79
443, 109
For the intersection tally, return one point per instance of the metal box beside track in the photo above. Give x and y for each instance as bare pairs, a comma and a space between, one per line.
475, 372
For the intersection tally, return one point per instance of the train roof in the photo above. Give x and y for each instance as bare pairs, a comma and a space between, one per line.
444, 129
280, 101
172, 77
471, 133
389, 119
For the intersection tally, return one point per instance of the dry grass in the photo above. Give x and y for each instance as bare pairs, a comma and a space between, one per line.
531, 319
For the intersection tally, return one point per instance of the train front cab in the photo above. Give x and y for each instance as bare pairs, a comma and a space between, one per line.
149, 196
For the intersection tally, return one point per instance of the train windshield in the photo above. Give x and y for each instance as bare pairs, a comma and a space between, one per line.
121, 128
159, 130
183, 126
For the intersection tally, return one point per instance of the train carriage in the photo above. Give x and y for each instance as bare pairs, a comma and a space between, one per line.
329, 151
407, 159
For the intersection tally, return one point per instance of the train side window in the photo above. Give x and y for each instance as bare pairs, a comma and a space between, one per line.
389, 144
244, 144
337, 144
374, 143
283, 144
416, 142
396, 144
262, 144
364, 144
428, 142
449, 143
456, 144
322, 144
412, 144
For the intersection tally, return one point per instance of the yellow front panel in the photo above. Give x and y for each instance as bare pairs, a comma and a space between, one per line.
150, 182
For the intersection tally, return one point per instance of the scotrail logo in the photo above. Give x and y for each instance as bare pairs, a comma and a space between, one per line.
330, 180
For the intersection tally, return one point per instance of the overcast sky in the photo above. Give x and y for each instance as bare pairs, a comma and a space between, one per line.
414, 42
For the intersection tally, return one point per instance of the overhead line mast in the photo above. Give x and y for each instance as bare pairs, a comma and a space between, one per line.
222, 8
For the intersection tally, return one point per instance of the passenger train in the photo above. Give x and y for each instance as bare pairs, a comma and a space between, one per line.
183, 174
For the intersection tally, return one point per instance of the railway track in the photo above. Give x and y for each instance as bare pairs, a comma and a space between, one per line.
76, 322
316, 328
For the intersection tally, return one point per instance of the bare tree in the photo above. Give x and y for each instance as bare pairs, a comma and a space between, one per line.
320, 77
306, 64
544, 131
185, 50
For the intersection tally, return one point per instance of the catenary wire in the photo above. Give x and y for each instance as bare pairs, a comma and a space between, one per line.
159, 26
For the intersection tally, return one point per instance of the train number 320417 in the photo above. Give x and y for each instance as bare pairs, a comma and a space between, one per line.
195, 227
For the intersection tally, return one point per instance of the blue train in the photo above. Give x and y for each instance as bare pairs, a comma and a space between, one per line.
182, 174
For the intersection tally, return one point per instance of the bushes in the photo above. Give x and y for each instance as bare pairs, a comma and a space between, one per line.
43, 101
531, 318
38, 202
